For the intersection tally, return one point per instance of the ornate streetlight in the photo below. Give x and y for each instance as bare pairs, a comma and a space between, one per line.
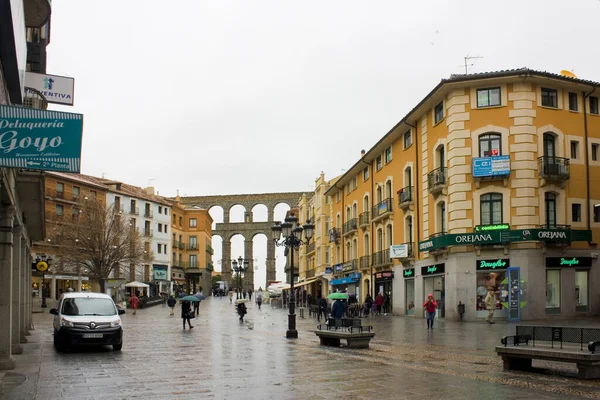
289, 235
42, 262
240, 266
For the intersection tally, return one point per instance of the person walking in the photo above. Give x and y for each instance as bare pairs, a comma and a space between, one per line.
230, 295
321, 308
490, 304
386, 304
134, 302
379, 302
197, 303
171, 303
337, 310
186, 309
430, 307
368, 304
250, 294
259, 297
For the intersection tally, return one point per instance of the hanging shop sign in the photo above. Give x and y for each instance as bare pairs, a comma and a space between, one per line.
384, 275
565, 262
56, 89
433, 269
505, 237
409, 273
338, 267
500, 263
352, 278
399, 250
40, 139
348, 267
328, 270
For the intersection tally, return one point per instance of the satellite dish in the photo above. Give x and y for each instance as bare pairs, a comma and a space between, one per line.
568, 74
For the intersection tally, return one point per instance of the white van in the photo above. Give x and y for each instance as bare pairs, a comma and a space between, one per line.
87, 319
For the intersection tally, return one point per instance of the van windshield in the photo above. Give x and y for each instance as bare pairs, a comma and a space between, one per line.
88, 306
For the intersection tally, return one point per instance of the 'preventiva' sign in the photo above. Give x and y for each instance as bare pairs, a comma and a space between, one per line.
565, 262
500, 263
40, 139
433, 269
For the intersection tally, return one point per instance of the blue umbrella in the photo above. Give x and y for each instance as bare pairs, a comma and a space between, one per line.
199, 296
190, 298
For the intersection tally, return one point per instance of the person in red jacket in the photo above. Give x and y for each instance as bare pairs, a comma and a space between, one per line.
379, 302
134, 302
430, 306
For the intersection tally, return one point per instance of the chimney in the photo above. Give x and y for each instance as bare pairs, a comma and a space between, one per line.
362, 153
149, 190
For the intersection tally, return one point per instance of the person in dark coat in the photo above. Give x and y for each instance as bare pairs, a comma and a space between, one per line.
171, 303
321, 308
338, 308
368, 304
186, 309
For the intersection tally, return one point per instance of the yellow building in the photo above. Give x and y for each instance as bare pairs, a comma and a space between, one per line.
488, 180
63, 192
192, 252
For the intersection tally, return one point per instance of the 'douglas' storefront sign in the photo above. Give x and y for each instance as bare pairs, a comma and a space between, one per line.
500, 263
409, 273
566, 262
433, 269
40, 139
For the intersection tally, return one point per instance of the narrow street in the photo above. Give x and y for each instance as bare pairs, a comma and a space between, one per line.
223, 358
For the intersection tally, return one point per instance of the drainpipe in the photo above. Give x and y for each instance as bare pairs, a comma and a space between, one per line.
416, 197
587, 161
341, 190
372, 177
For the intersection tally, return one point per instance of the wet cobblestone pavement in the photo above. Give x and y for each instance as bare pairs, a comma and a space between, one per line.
222, 358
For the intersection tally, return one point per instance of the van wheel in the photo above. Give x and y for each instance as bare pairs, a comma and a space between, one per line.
117, 347
58, 346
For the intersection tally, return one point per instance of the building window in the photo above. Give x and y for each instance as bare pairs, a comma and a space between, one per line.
572, 101
365, 173
59, 210
192, 222
388, 154
378, 163
93, 194
75, 193
439, 112
549, 98
552, 291
160, 228
117, 203
593, 105
441, 209
490, 145
582, 291
60, 190
132, 223
338, 197
596, 212
193, 242
594, 152
407, 139
550, 199
159, 248
180, 221
574, 149
576, 212
165, 228
160, 209
491, 208
488, 97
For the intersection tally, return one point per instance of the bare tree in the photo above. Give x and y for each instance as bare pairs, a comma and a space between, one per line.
100, 239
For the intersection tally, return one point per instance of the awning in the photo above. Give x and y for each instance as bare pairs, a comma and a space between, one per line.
355, 277
308, 282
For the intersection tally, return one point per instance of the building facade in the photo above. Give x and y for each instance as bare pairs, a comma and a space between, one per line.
487, 183
191, 248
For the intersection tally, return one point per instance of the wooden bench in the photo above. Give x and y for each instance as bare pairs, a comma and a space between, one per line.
356, 335
518, 355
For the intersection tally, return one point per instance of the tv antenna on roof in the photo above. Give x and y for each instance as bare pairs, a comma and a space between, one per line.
468, 64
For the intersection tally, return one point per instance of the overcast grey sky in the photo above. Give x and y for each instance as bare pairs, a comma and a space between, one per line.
219, 97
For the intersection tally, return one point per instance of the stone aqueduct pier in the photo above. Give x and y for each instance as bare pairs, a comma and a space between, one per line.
248, 228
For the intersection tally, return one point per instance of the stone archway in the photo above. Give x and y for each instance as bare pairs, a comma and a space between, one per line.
248, 229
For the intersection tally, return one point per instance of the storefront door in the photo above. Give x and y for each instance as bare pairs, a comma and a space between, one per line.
410, 296
436, 285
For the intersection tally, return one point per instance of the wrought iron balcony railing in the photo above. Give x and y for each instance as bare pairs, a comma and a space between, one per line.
437, 180
350, 226
554, 168
382, 209
363, 219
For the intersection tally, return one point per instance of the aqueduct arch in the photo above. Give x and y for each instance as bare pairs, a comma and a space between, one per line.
248, 229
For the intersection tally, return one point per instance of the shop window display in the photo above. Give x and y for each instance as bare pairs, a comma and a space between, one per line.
552, 291
496, 280
582, 291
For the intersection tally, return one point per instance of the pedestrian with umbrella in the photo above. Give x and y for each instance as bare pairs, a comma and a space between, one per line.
240, 305
186, 309
338, 308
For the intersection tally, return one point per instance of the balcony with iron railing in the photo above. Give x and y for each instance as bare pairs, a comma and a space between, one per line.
176, 263
350, 266
554, 168
437, 180
148, 213
364, 262
334, 234
382, 210
410, 251
310, 248
192, 246
209, 249
364, 220
405, 197
134, 211
310, 273
210, 266
148, 232
350, 227
189, 264
382, 258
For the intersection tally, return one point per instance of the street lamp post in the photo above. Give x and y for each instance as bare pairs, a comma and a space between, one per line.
240, 266
289, 235
41, 263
